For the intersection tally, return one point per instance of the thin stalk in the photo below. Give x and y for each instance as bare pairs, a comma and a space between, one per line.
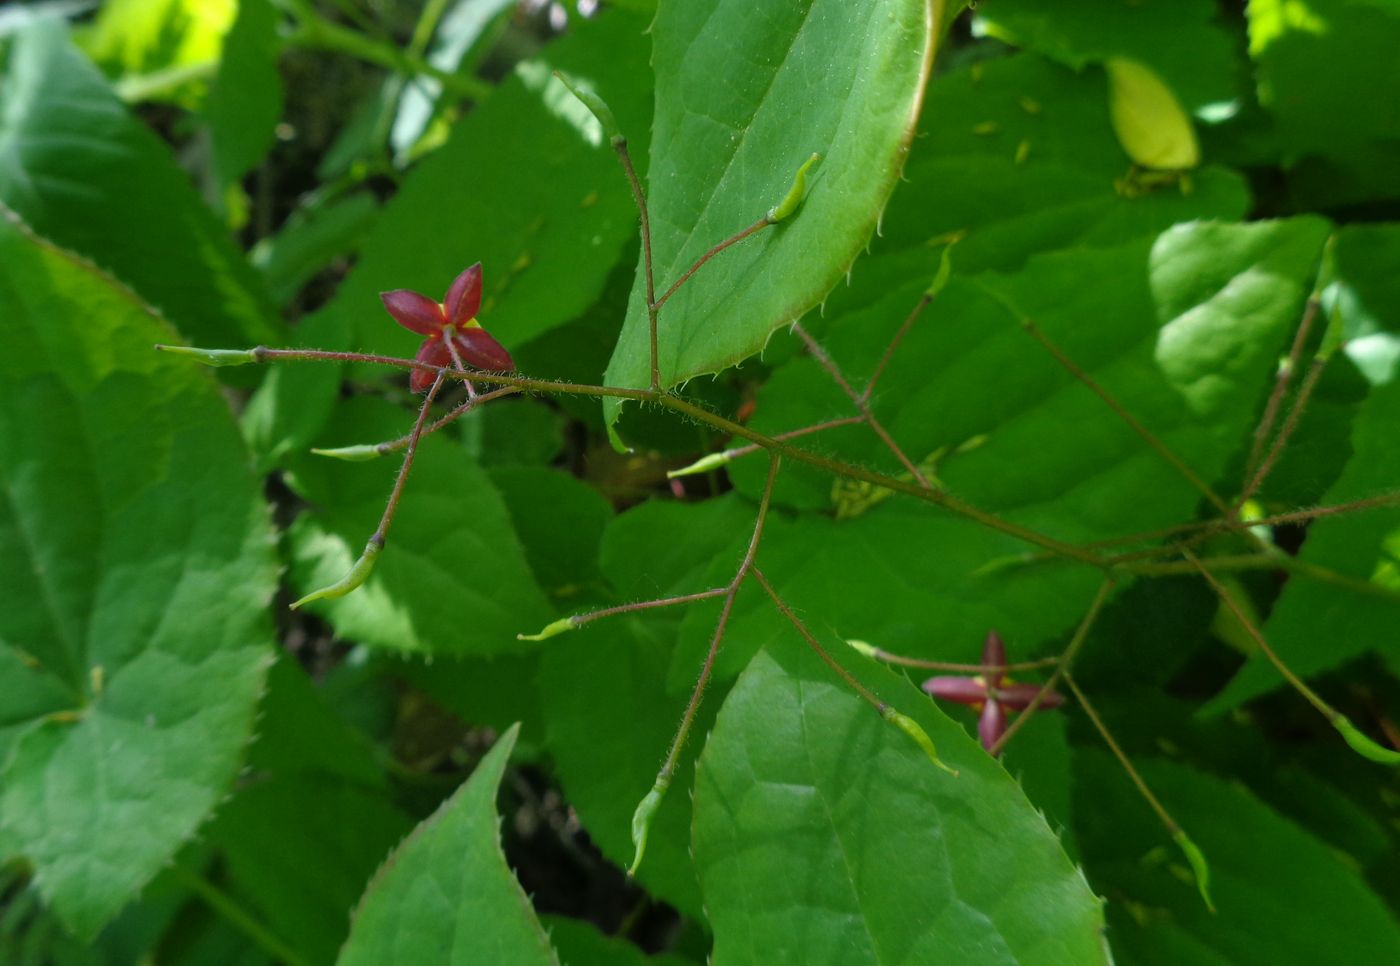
1281, 382
663, 778
394, 445
860, 402
889, 657
639, 196
224, 905
592, 616
1092, 714
1147, 436
1257, 636
1263, 561
1062, 666
674, 403
815, 645
732, 454
1289, 425
894, 344
381, 534
699, 262
1228, 524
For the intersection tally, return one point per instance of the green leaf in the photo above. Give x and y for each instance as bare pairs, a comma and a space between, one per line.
1316, 626
446, 895
823, 833
1366, 298
246, 99
310, 240
559, 521
1181, 40
137, 532
1017, 157
452, 579
1337, 154
1281, 895
819, 76
302, 847
85, 173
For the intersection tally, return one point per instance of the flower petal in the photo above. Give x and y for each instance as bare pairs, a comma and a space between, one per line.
994, 655
478, 349
413, 311
1018, 696
992, 725
435, 353
464, 296
960, 689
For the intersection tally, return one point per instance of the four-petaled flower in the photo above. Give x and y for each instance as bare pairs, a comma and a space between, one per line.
449, 325
992, 693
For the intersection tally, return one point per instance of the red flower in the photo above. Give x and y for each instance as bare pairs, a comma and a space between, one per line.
449, 325
992, 694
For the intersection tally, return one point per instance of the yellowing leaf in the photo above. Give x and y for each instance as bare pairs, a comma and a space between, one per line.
1150, 123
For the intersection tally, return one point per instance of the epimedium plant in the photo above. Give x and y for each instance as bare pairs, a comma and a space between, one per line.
1077, 396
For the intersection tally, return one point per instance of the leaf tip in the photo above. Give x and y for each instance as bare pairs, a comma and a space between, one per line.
1199, 867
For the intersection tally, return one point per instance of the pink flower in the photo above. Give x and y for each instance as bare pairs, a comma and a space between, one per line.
448, 325
992, 694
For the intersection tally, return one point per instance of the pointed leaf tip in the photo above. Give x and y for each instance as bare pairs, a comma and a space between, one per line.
915, 731
1199, 867
596, 106
1362, 744
357, 575
213, 357
561, 626
796, 193
641, 822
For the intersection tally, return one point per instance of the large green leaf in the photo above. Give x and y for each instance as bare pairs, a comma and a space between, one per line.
138, 568
744, 94
824, 835
446, 895
1281, 896
85, 173
453, 578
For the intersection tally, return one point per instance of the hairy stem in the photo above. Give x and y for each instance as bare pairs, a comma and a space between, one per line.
1286, 432
1281, 382
815, 645
639, 196
699, 414
884, 362
663, 778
